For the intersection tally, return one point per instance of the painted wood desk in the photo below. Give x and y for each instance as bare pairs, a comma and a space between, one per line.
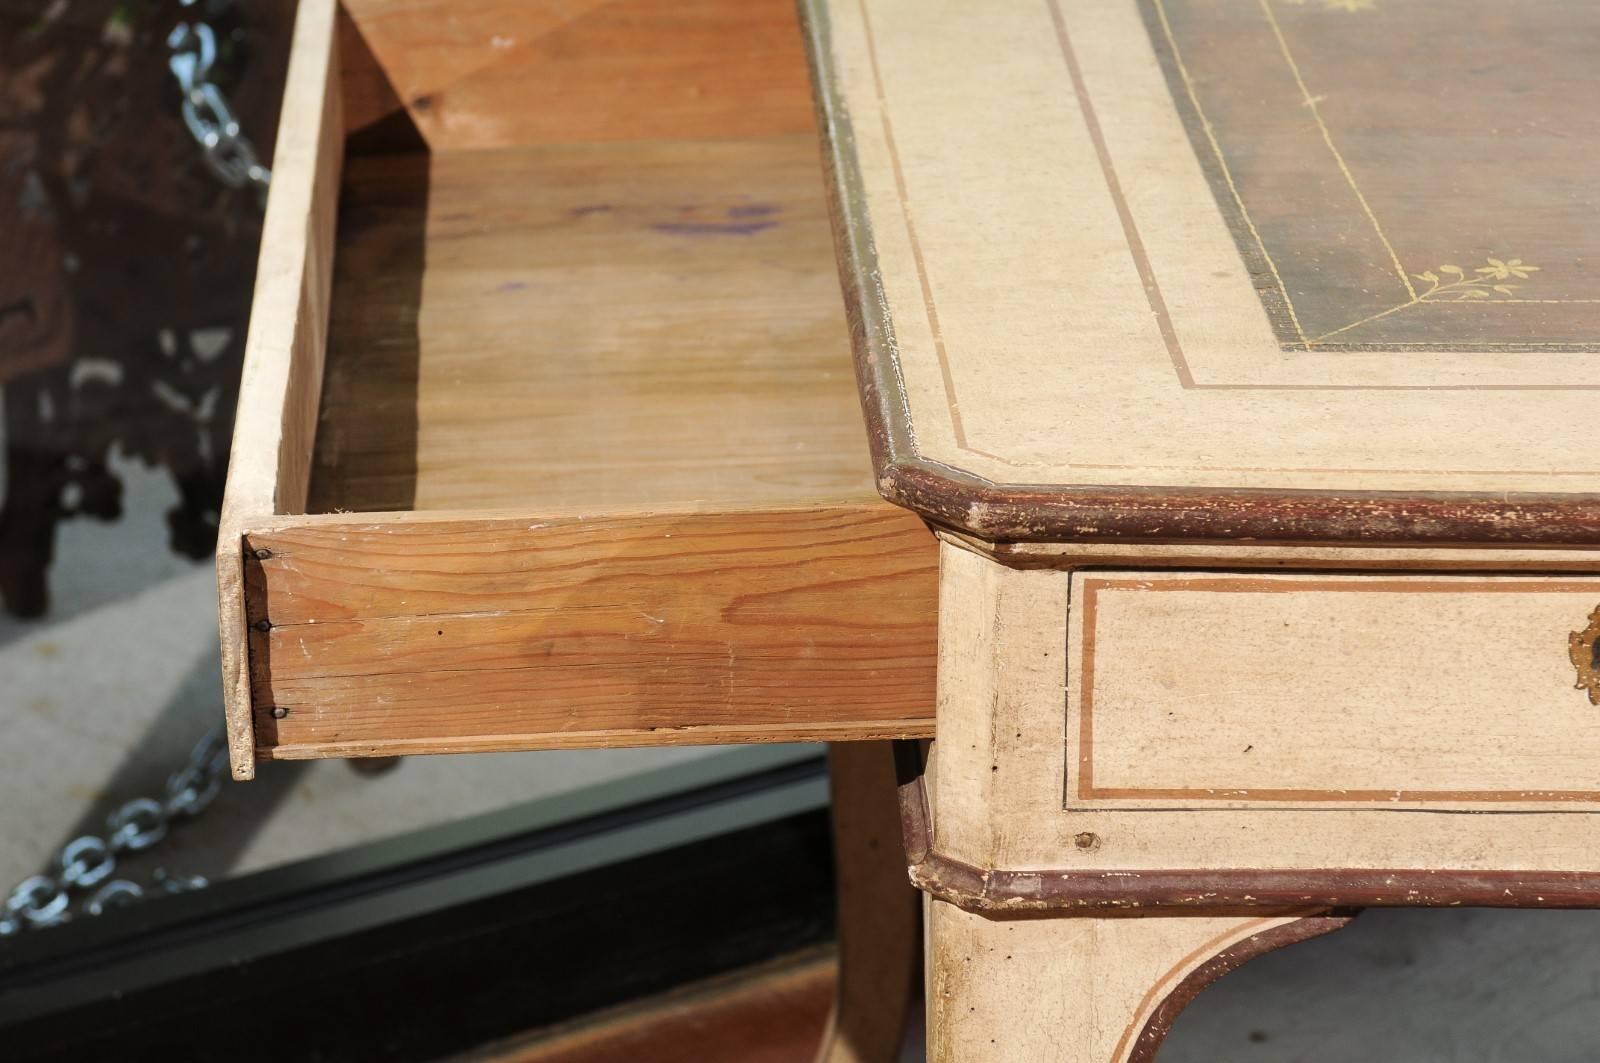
1243, 354
1237, 353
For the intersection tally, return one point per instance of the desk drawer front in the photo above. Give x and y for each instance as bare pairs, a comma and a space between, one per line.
1332, 691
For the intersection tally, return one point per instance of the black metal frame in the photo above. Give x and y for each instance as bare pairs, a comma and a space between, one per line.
438, 941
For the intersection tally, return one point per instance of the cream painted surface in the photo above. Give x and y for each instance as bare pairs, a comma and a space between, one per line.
1002, 642
1000, 783
1052, 368
1254, 555
1065, 989
1252, 690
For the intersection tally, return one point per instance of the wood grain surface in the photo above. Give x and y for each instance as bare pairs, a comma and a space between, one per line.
770, 1015
600, 325
269, 465
880, 914
491, 73
588, 455
372, 637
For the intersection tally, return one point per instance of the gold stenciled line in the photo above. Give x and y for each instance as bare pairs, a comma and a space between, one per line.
1222, 163
1327, 138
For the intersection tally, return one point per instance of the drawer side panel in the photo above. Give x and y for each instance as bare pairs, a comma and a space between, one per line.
269, 465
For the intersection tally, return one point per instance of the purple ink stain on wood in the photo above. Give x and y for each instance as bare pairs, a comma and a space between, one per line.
745, 219
713, 228
512, 286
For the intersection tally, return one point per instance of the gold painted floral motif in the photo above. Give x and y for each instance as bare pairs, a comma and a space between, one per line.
1582, 649
1453, 284
1339, 5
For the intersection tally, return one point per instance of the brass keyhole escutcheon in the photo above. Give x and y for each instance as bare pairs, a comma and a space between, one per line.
1583, 647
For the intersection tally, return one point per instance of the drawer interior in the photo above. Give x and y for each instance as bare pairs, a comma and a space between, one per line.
548, 432
595, 270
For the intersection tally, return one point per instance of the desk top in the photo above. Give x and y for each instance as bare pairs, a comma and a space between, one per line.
1223, 269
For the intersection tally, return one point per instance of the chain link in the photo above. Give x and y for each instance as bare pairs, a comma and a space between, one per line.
226, 150
86, 861
118, 893
89, 860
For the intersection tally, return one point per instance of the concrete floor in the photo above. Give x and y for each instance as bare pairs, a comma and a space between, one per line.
1447, 986
107, 693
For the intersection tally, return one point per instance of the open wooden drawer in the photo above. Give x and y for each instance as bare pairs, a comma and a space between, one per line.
548, 433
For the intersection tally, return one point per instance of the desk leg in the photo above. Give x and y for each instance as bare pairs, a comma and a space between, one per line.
1080, 989
880, 914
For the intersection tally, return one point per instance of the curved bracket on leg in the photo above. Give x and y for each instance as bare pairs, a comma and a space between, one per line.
1083, 989
1179, 996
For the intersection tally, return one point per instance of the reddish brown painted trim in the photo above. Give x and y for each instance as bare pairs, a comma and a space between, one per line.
1012, 513
1000, 512
1231, 959
1211, 889
1203, 889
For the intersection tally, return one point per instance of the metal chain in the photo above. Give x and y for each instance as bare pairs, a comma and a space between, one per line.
83, 868
226, 150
